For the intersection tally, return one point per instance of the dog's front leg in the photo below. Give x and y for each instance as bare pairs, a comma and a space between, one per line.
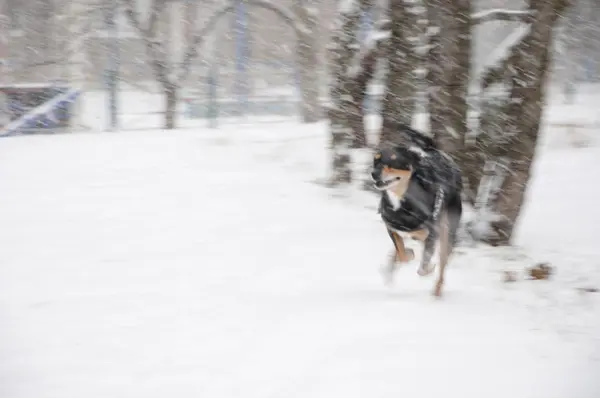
400, 254
428, 250
403, 254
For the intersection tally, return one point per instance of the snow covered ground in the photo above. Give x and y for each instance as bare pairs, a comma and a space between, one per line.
202, 263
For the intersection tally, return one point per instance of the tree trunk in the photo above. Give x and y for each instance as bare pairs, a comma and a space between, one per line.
171, 100
524, 113
449, 73
402, 61
307, 61
436, 74
453, 142
341, 144
345, 112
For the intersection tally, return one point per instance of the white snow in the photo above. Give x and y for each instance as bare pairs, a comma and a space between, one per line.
497, 14
208, 263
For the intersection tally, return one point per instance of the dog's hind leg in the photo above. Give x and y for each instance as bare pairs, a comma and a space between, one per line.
444, 252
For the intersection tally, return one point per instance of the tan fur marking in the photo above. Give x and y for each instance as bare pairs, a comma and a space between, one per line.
396, 172
402, 186
400, 189
444, 253
402, 254
377, 156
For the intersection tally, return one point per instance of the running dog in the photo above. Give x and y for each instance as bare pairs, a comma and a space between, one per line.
420, 199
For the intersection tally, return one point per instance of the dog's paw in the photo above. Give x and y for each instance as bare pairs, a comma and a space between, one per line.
425, 270
410, 254
387, 273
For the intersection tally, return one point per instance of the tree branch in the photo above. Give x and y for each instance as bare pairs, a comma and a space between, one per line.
498, 14
478, 18
201, 35
148, 32
198, 39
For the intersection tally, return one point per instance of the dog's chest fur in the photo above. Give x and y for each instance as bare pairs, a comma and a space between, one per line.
396, 194
396, 201
407, 206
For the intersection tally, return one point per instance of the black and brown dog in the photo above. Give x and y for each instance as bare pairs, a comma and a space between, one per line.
420, 199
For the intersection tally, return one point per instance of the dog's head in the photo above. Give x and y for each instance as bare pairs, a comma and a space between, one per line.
393, 167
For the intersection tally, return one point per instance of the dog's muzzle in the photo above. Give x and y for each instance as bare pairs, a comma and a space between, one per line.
387, 184
381, 184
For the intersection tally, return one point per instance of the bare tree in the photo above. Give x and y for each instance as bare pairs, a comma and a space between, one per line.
527, 73
495, 144
350, 69
172, 74
496, 157
157, 53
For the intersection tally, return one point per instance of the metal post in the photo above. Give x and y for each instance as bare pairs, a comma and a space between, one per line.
113, 65
241, 47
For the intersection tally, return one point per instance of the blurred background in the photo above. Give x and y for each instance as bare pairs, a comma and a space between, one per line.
248, 58
186, 208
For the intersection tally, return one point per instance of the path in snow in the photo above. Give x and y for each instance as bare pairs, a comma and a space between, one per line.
171, 264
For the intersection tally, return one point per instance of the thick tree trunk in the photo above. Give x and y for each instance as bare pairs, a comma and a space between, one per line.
307, 62
459, 74
401, 89
497, 165
345, 112
437, 95
449, 73
454, 141
171, 100
524, 113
